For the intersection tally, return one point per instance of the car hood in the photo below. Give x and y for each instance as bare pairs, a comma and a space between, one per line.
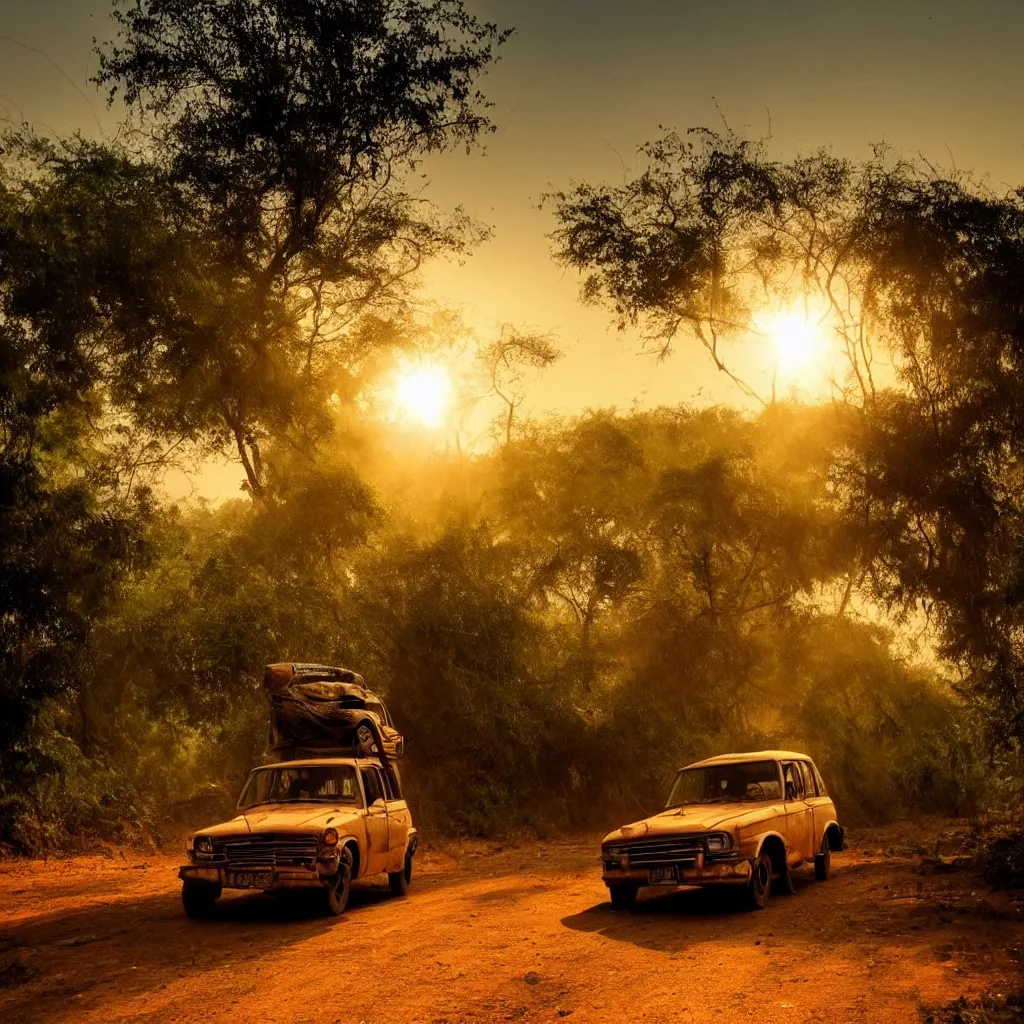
299, 818
698, 818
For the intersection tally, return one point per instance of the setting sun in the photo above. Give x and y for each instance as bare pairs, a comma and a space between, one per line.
798, 340
795, 339
423, 394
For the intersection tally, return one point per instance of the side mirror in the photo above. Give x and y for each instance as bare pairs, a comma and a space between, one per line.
378, 806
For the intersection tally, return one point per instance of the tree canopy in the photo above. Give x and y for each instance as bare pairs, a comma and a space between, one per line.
562, 618
287, 133
919, 276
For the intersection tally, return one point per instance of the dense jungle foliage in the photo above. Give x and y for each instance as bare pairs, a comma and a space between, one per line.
558, 620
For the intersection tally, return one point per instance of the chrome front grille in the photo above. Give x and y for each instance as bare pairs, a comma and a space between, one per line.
264, 851
651, 853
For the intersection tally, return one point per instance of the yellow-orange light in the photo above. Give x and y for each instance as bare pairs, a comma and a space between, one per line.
799, 342
797, 339
423, 394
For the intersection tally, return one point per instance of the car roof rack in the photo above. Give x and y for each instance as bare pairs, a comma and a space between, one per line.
281, 674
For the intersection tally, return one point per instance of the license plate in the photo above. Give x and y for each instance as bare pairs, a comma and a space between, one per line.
665, 876
250, 880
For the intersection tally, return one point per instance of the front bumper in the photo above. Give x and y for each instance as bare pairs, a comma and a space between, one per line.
316, 876
733, 870
280, 878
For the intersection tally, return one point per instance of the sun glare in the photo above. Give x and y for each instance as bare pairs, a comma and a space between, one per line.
795, 340
799, 342
423, 394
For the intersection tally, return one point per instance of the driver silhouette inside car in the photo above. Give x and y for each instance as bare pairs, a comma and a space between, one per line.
731, 787
297, 787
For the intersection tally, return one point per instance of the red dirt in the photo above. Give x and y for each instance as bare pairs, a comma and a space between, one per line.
493, 933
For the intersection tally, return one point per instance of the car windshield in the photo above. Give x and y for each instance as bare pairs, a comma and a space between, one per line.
313, 784
726, 783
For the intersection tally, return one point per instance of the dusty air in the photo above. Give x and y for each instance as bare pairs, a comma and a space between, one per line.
511, 512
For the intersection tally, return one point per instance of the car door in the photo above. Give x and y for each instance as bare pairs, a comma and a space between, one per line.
399, 822
377, 839
799, 817
821, 805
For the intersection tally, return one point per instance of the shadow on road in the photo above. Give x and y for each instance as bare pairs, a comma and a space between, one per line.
653, 922
674, 919
94, 922
508, 895
879, 903
151, 942
299, 907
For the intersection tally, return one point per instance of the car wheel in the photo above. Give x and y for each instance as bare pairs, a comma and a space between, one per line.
759, 888
336, 895
198, 899
399, 880
823, 861
623, 897
364, 739
784, 882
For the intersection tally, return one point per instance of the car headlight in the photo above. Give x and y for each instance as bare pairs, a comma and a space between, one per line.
614, 851
203, 845
718, 843
330, 837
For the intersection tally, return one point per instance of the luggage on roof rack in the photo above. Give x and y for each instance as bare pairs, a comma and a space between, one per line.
324, 707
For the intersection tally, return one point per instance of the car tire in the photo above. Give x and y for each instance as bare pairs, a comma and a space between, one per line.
623, 897
399, 880
198, 899
784, 882
823, 861
759, 888
336, 895
366, 742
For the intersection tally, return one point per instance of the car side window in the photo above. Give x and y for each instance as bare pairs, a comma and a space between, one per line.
805, 771
822, 791
793, 780
372, 786
389, 790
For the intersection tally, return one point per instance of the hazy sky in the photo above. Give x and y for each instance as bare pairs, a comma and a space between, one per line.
584, 82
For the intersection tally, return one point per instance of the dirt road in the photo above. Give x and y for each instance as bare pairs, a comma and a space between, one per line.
498, 934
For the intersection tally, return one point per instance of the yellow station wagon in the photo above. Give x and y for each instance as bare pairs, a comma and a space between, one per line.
305, 825
742, 820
